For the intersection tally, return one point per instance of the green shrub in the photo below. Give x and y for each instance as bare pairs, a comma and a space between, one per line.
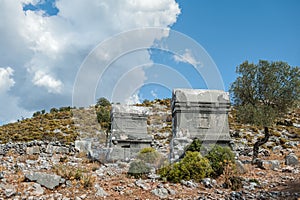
219, 157
147, 150
138, 168
192, 166
62, 109
146, 103
53, 110
37, 113
194, 146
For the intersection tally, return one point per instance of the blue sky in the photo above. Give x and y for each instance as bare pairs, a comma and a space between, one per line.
52, 41
234, 31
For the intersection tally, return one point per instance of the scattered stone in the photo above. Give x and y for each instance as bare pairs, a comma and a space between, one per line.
291, 159
240, 167
207, 182
47, 180
171, 191
153, 176
1, 174
268, 164
38, 190
288, 169
100, 192
140, 183
236, 195
219, 192
277, 149
261, 173
264, 152
33, 150
118, 188
190, 184
160, 192
62, 150
9, 192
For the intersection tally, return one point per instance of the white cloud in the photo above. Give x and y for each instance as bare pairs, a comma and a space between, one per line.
45, 80
154, 94
133, 99
6, 80
47, 51
187, 57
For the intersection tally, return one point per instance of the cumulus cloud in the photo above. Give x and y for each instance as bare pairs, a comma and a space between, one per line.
187, 57
45, 80
47, 51
6, 80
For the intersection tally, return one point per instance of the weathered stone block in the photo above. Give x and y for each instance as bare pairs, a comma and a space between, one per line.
128, 131
201, 114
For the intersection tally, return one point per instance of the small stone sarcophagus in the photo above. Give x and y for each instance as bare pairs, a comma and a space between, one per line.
201, 114
128, 131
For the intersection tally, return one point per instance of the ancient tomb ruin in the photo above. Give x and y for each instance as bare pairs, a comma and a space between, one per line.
201, 114
128, 131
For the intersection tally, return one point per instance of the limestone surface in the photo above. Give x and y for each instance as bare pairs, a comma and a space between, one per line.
201, 114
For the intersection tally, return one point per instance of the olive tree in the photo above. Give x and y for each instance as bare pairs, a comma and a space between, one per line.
263, 92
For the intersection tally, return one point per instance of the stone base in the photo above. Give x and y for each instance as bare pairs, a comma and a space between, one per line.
179, 145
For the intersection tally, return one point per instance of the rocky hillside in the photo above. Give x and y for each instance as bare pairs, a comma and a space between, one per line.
38, 160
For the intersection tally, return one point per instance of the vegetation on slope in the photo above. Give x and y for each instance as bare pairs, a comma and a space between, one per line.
54, 126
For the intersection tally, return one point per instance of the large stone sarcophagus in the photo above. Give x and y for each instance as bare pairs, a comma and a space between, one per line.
128, 131
198, 114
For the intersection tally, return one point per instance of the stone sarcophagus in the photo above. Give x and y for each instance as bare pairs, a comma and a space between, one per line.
128, 131
201, 114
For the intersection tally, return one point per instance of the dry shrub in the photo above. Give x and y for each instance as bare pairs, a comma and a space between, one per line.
231, 180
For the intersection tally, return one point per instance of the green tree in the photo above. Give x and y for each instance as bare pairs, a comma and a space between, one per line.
103, 107
103, 102
264, 91
103, 117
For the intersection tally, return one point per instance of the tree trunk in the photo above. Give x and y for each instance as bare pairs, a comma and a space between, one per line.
259, 143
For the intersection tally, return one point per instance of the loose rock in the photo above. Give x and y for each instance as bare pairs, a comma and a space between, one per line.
47, 180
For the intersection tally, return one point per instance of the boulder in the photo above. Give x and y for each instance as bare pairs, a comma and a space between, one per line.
291, 159
160, 192
268, 164
49, 181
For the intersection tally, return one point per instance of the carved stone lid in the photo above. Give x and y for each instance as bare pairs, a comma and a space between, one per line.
139, 110
200, 95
